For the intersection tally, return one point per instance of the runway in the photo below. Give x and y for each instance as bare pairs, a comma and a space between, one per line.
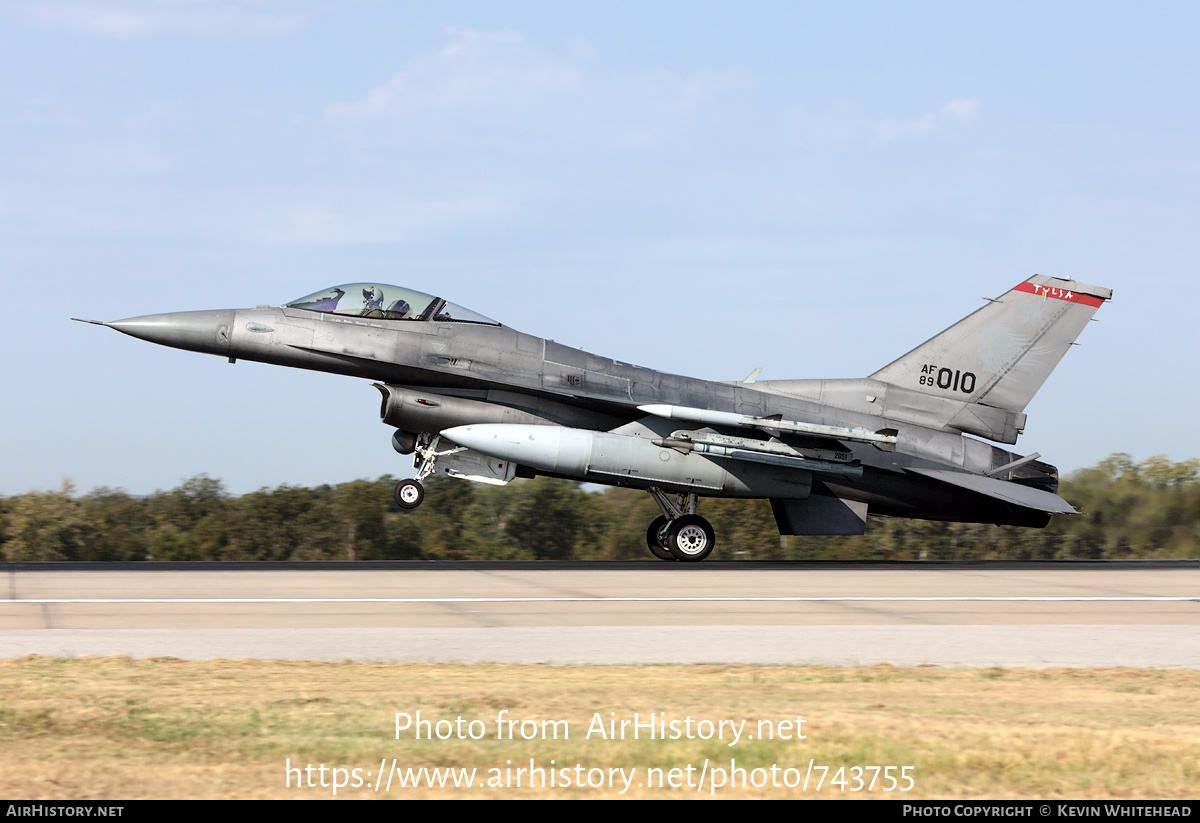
964, 615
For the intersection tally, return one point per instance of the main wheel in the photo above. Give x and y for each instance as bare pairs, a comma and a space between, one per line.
408, 494
691, 538
655, 535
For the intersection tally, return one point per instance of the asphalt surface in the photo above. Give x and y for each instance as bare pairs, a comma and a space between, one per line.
1012, 614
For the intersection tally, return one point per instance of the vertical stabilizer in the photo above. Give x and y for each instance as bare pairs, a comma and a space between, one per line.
1000, 355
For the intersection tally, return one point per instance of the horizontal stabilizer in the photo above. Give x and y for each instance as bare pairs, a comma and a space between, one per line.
1014, 493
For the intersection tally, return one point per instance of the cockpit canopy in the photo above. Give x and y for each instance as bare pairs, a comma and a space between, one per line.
380, 300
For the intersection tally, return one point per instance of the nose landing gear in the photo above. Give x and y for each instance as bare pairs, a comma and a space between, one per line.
408, 494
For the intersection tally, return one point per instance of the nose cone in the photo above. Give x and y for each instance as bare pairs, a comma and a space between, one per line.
202, 331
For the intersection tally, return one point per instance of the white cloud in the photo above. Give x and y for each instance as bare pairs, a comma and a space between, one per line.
479, 74
490, 126
495, 85
137, 19
960, 110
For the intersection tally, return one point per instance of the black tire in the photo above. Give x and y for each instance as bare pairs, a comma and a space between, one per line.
653, 541
691, 538
408, 494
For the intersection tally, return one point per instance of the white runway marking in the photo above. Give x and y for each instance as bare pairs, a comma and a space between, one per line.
979, 616
913, 599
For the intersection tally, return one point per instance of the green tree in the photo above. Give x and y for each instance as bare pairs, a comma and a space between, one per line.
45, 526
360, 506
117, 526
546, 518
442, 521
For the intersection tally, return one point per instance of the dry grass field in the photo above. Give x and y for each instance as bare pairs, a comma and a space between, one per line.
119, 728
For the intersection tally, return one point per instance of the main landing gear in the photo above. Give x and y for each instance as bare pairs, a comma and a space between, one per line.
680, 533
408, 494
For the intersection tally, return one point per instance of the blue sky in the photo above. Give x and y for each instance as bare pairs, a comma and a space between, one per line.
704, 188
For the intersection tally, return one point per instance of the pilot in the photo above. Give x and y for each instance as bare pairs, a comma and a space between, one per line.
373, 298
398, 310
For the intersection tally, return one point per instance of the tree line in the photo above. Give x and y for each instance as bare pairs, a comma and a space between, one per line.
1149, 509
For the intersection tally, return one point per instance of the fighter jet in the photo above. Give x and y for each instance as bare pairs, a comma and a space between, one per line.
472, 398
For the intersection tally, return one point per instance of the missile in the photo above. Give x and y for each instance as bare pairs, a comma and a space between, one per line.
772, 446
883, 438
764, 457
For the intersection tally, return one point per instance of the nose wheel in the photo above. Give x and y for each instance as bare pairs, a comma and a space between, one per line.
408, 494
